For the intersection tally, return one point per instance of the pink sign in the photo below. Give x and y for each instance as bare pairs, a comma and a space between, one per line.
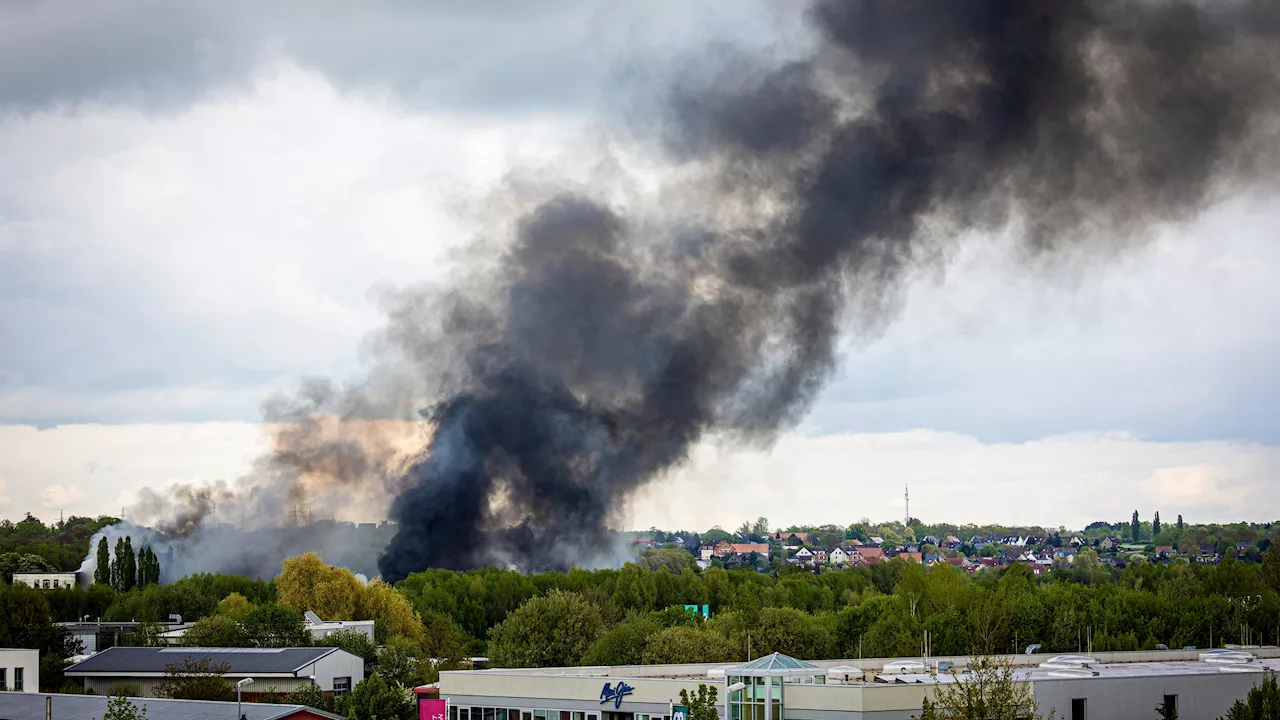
432, 709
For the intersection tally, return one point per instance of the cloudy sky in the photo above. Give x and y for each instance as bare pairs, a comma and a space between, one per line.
202, 204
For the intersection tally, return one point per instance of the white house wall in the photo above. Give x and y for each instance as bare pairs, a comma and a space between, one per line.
29, 661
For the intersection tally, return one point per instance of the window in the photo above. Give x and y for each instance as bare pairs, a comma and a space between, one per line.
1077, 709
17, 679
4, 679
1170, 704
341, 685
488, 713
453, 712
46, 584
55, 583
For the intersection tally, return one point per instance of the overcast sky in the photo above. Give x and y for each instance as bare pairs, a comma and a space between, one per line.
201, 204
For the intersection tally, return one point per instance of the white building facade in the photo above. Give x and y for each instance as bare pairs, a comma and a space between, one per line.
47, 580
20, 670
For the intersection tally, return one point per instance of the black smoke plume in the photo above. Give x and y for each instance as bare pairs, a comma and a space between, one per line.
602, 346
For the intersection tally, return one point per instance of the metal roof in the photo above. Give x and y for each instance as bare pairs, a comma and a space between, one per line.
121, 660
775, 665
24, 706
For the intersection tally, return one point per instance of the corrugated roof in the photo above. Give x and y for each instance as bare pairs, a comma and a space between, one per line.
25, 706
241, 660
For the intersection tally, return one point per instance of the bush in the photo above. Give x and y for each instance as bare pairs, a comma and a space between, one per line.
125, 689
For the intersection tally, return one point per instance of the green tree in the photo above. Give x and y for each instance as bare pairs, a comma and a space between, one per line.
701, 704
121, 708
275, 626
1179, 522
130, 565
1262, 702
234, 606
549, 631
196, 679
310, 695
1270, 568
400, 662
1155, 525
624, 644
102, 571
372, 698
1135, 527
215, 631
988, 692
354, 642
791, 632
761, 526
676, 645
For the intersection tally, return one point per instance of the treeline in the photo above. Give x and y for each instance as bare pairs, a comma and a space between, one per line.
31, 546
634, 614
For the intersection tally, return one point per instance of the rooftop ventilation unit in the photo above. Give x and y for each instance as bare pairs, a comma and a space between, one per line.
1068, 661
899, 667
1226, 657
1072, 672
1240, 668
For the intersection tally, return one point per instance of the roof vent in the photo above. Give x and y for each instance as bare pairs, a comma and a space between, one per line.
1240, 668
1226, 657
899, 667
1068, 661
1072, 672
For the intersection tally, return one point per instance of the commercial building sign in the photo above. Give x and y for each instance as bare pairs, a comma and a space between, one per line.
615, 693
679, 712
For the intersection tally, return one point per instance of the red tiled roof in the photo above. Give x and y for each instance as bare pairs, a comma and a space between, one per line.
743, 548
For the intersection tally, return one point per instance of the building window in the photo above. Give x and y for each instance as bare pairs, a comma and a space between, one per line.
4, 679
341, 685
1171, 705
46, 584
1077, 709
17, 679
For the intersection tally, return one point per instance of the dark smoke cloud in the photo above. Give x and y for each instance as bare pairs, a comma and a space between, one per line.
599, 343
603, 347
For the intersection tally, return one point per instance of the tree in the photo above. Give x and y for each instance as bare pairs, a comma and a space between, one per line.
676, 645
310, 695
399, 662
1135, 527
130, 565
307, 583
1179, 522
380, 601
354, 642
121, 708
791, 632
1155, 525
275, 626
1270, 569
234, 606
196, 679
761, 526
102, 570
987, 691
1262, 702
701, 704
549, 631
374, 698
215, 631
624, 644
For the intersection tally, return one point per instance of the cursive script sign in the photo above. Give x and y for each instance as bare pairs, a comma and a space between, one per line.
615, 693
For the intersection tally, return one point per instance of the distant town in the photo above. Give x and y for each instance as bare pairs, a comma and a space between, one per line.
1100, 545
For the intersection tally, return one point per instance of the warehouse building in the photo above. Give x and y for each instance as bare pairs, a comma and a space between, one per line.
1201, 685
19, 670
282, 670
84, 707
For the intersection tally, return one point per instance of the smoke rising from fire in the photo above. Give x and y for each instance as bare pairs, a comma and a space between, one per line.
607, 337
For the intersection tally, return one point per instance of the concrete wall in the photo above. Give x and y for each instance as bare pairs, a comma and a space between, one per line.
334, 665
29, 661
1200, 697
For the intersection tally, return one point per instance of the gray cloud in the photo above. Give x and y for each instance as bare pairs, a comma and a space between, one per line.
501, 55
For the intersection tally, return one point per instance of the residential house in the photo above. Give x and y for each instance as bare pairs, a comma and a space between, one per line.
643, 541
838, 556
1077, 541
876, 540
723, 549
804, 556
706, 552
930, 540
282, 670
870, 554
914, 557
1165, 551
790, 539
1111, 543
820, 556
748, 548
951, 542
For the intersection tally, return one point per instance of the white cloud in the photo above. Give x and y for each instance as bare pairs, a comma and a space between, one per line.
1067, 480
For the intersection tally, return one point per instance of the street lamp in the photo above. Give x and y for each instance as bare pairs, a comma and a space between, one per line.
240, 685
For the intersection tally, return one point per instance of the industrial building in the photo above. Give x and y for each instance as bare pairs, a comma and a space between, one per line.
83, 707
1201, 685
283, 670
47, 580
19, 670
